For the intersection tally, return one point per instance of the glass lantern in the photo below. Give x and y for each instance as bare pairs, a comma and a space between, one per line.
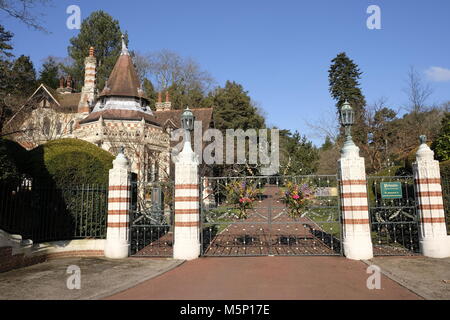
187, 120
347, 115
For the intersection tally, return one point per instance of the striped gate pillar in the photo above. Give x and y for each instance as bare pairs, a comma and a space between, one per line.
357, 241
117, 245
433, 238
187, 212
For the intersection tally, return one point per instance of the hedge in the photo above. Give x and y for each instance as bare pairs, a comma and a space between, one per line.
68, 198
70, 161
12, 159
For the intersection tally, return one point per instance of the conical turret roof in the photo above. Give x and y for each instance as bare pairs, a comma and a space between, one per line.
124, 80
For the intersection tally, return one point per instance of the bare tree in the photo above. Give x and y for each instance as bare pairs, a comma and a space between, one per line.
382, 132
23, 11
167, 68
327, 125
417, 91
142, 65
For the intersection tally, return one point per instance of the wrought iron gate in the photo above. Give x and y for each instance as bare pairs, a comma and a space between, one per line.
151, 217
393, 215
253, 216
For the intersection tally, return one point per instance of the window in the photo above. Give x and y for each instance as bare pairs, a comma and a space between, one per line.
58, 128
46, 126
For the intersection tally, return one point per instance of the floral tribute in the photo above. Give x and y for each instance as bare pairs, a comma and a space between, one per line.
242, 195
297, 198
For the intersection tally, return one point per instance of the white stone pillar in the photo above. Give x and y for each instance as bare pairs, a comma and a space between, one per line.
117, 245
433, 238
187, 213
357, 240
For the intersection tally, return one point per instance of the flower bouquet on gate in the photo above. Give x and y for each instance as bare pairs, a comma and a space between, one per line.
297, 198
242, 195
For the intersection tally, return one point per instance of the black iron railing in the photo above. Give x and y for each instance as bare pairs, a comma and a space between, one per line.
393, 216
446, 195
47, 213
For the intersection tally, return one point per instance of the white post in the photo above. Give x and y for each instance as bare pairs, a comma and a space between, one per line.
433, 238
187, 214
357, 240
117, 245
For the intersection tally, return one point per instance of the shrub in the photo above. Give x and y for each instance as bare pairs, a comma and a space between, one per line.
441, 145
70, 161
68, 197
12, 157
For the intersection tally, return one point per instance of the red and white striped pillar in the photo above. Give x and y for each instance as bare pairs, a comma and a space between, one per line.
357, 241
187, 211
434, 241
117, 244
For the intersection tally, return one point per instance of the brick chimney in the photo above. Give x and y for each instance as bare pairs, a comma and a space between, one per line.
167, 104
88, 91
66, 85
69, 83
159, 105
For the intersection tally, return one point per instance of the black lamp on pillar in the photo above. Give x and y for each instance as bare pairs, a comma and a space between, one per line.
187, 123
347, 119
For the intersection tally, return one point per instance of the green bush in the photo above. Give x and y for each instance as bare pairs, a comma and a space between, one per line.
441, 145
12, 157
68, 197
445, 175
388, 172
70, 161
445, 169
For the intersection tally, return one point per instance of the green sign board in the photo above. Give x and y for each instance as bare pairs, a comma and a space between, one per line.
391, 190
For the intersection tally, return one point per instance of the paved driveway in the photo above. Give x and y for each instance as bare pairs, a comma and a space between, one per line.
430, 278
261, 278
99, 277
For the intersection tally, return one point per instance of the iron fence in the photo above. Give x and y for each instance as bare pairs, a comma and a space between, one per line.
47, 213
151, 216
446, 195
393, 215
270, 225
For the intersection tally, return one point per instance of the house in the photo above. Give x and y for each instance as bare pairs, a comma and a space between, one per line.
120, 115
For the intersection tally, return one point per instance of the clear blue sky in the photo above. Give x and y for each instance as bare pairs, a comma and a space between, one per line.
279, 51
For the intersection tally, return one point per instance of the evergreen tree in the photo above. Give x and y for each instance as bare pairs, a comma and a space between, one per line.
441, 145
24, 76
150, 92
5, 46
183, 97
327, 145
17, 80
103, 33
49, 74
233, 108
298, 156
344, 76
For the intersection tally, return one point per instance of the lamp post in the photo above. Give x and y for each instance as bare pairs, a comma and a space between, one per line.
347, 117
187, 123
356, 239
